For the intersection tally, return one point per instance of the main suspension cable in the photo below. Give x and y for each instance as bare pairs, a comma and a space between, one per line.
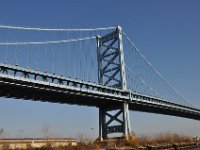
47, 29
46, 42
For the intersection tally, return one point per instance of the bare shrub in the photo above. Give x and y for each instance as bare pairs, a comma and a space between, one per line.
46, 131
2, 133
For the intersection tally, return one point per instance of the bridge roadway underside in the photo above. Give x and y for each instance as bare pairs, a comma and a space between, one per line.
30, 91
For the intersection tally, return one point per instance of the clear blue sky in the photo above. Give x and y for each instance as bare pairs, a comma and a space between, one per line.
167, 32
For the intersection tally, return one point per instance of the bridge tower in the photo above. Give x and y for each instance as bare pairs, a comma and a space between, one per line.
111, 72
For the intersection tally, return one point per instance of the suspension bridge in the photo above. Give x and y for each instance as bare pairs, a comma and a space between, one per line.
98, 67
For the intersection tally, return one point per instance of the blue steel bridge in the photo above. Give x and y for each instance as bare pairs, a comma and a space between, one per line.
98, 67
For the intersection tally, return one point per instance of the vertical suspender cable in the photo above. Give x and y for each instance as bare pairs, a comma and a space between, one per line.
74, 59
54, 56
62, 54
45, 54
91, 69
68, 68
26, 53
31, 55
6, 51
88, 61
36, 54
16, 50
85, 59
80, 58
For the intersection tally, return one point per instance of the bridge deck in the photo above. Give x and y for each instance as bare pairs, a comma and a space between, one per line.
21, 83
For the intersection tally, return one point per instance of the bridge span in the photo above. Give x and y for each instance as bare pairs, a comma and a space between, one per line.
108, 94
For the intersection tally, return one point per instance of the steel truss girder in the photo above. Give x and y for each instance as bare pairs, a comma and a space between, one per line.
14, 74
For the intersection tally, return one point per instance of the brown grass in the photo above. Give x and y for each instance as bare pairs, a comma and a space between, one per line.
134, 141
160, 139
78, 147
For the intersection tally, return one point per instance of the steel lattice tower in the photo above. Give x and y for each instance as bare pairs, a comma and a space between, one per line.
111, 72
